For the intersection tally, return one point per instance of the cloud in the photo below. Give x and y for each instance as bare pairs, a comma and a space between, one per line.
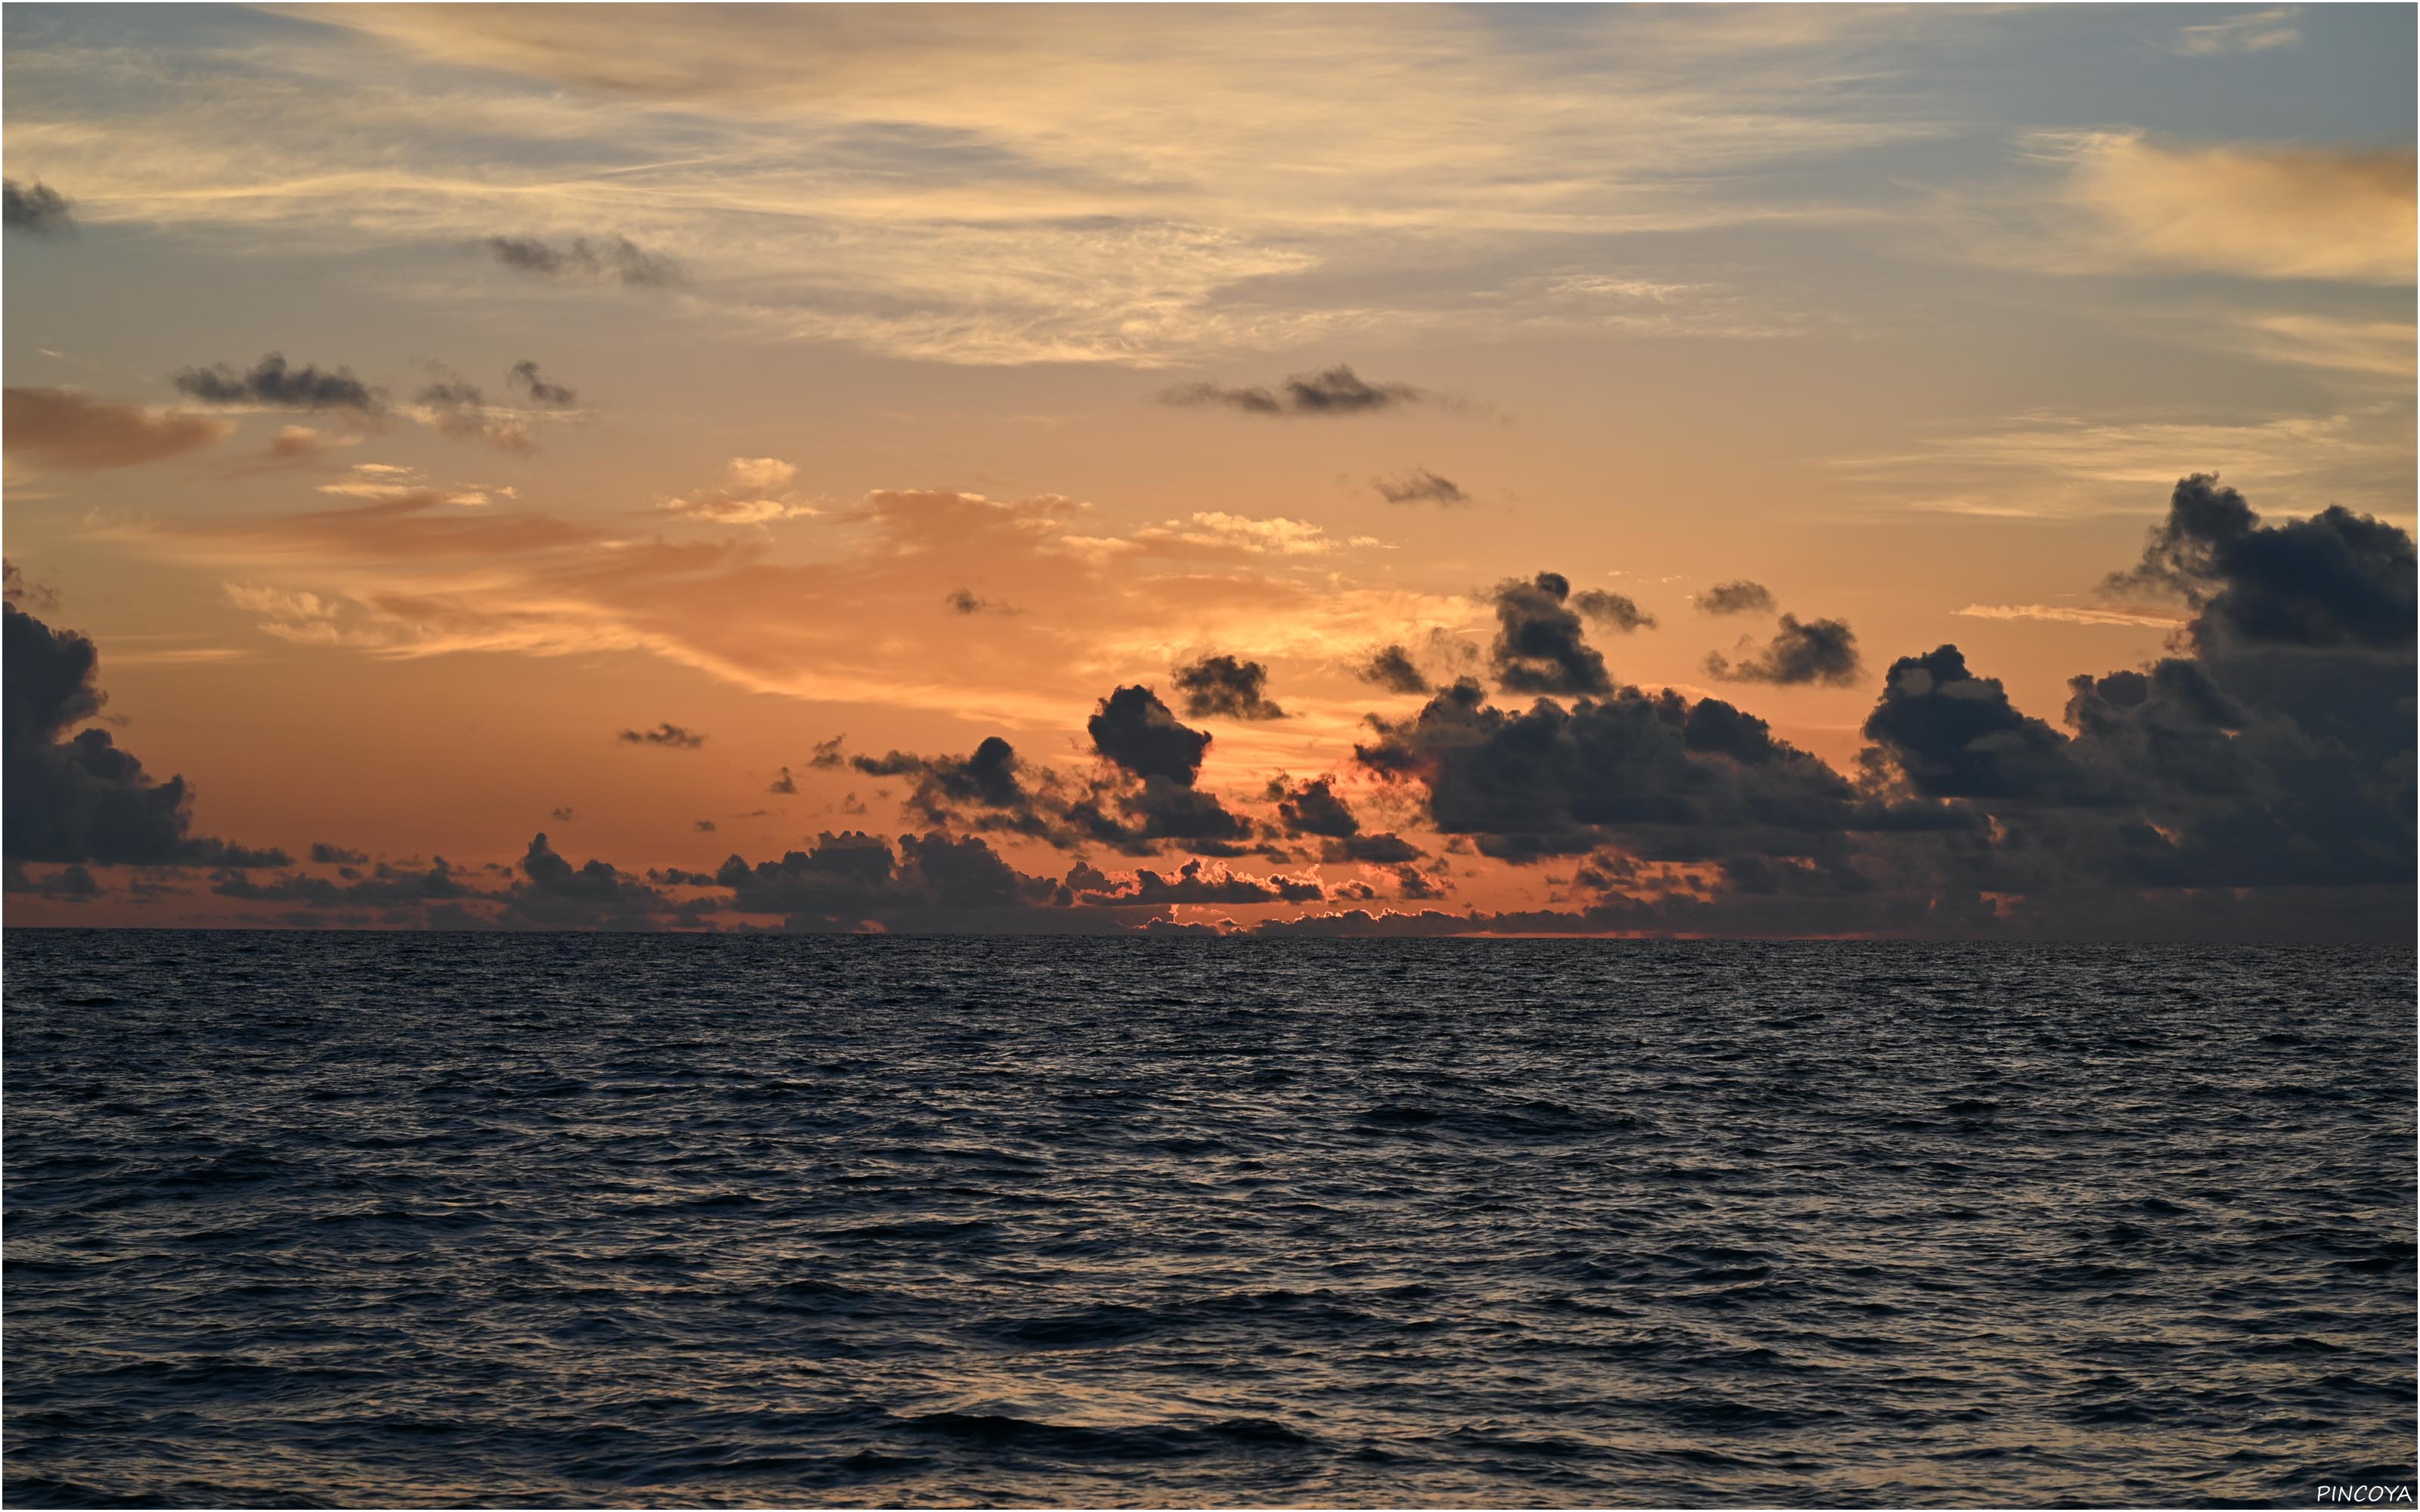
754, 490
555, 894
1955, 735
79, 797
1616, 611
270, 384
2071, 615
64, 428
2335, 580
785, 784
667, 734
608, 259
1196, 882
1329, 392
36, 209
538, 391
2258, 32
1217, 531
564, 815
1420, 486
963, 600
1539, 644
853, 878
1223, 687
1391, 668
1816, 651
2255, 210
1133, 729
1738, 596
324, 853
460, 409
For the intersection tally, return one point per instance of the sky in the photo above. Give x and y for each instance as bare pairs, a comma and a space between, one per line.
1703, 471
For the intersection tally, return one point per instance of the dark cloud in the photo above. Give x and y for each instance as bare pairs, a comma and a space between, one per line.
22, 590
1391, 668
1136, 731
1223, 687
563, 816
704, 826
964, 602
1955, 735
270, 384
78, 797
1312, 807
555, 894
2336, 580
1662, 778
399, 887
667, 734
533, 386
1615, 610
460, 409
36, 209
827, 754
1331, 390
785, 783
608, 259
1738, 596
1818, 651
986, 790
1420, 486
71, 883
852, 878
1196, 882
1539, 644
326, 855
63, 429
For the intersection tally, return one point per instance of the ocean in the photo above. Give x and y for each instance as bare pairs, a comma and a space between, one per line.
399, 1219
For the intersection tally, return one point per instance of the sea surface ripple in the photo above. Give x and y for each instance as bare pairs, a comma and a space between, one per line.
393, 1219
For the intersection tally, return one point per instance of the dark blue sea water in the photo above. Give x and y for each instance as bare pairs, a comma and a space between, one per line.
403, 1219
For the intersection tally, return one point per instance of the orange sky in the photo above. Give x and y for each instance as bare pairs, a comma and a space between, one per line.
680, 366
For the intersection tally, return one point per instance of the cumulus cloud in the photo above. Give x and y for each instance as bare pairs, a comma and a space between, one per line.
1540, 647
34, 208
270, 384
966, 601
1391, 667
324, 853
1133, 729
666, 734
1738, 596
64, 428
1816, 650
1420, 486
607, 259
79, 797
1331, 391
1618, 612
1224, 687
2337, 580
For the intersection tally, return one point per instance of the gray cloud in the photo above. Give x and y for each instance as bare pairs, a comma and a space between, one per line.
1738, 596
1331, 390
271, 384
666, 734
607, 259
1816, 651
1223, 687
1420, 486
36, 209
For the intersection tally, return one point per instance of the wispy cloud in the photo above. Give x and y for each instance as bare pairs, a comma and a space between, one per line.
2261, 31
